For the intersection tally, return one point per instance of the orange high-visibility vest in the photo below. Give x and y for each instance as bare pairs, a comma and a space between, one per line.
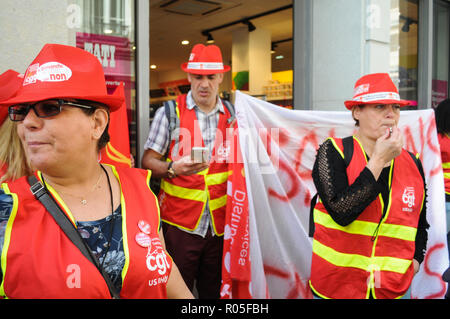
370, 255
41, 262
444, 142
183, 198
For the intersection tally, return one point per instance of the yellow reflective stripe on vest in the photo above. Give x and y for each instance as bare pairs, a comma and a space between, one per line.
446, 165
181, 192
126, 249
359, 227
196, 194
218, 202
177, 109
336, 147
217, 178
193, 194
339, 259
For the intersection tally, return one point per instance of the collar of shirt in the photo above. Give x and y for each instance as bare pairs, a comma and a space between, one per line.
190, 103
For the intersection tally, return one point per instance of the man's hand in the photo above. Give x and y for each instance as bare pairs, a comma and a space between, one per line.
185, 166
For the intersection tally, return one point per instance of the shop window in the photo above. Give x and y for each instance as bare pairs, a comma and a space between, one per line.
404, 48
107, 29
440, 52
175, 26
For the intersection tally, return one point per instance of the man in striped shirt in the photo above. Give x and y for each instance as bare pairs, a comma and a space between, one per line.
197, 252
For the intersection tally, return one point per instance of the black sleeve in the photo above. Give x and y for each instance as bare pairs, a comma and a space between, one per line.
343, 202
6, 206
422, 234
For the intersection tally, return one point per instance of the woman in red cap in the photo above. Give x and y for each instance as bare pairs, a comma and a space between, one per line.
370, 222
62, 114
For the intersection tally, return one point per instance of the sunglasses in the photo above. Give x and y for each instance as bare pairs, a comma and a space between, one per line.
42, 109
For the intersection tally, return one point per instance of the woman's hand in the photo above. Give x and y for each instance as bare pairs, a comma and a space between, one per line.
388, 146
416, 266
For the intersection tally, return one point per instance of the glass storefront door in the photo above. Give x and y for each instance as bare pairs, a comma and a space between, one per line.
404, 48
107, 30
440, 87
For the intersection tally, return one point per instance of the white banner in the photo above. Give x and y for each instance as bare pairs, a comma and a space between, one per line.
279, 148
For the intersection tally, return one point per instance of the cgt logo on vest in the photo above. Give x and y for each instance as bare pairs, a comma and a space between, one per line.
157, 260
408, 199
223, 151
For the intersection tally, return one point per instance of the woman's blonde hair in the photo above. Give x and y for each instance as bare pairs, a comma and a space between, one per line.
12, 153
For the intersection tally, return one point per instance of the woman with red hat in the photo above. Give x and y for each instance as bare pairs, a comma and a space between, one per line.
110, 245
13, 162
370, 227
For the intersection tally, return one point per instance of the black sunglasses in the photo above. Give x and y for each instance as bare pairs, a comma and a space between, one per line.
42, 109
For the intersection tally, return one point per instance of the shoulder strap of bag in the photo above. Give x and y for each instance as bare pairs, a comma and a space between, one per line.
170, 108
230, 108
41, 194
416, 160
347, 143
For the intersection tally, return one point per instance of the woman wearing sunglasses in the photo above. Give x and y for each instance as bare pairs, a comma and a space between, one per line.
62, 115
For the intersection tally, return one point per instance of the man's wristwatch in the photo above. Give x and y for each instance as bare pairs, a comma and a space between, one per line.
170, 171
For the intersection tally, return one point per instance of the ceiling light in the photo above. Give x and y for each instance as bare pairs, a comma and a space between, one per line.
185, 42
246, 20
210, 39
108, 31
279, 57
272, 48
153, 66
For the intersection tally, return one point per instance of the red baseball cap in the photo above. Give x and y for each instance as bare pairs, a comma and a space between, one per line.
10, 81
375, 88
205, 60
62, 71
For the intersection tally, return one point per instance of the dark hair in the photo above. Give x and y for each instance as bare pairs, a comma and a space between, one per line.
357, 121
104, 139
442, 115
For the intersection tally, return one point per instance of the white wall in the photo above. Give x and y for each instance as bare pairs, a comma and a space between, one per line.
260, 60
25, 27
239, 50
251, 52
338, 52
350, 38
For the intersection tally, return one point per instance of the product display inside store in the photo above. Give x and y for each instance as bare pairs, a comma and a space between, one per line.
255, 38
